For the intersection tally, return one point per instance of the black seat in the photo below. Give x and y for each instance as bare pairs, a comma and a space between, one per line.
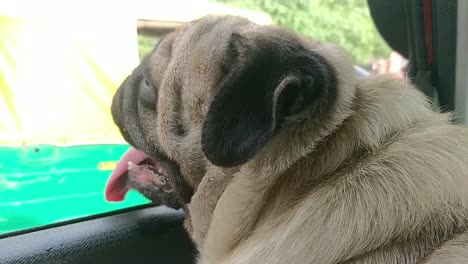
424, 32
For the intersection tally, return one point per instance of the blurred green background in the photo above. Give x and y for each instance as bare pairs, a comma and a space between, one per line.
345, 22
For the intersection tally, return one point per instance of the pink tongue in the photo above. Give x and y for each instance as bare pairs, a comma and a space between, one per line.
116, 187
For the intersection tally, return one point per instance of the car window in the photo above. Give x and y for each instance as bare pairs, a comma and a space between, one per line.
59, 71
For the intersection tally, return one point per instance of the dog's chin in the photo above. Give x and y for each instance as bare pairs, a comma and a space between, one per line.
155, 178
151, 180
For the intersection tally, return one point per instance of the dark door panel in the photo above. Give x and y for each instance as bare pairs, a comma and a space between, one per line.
148, 235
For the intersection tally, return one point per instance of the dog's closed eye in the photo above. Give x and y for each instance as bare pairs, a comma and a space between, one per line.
146, 92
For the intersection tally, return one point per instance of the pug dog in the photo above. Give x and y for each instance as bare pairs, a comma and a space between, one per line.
280, 154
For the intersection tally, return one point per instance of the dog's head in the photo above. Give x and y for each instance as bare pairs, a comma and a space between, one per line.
216, 92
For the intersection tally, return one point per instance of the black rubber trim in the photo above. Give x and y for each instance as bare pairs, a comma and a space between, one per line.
75, 220
149, 235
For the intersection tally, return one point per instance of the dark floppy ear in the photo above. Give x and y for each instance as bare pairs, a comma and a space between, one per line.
266, 82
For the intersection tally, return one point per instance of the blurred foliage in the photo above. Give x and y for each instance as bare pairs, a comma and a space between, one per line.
146, 44
345, 22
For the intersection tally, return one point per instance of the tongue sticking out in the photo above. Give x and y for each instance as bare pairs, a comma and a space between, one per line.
117, 187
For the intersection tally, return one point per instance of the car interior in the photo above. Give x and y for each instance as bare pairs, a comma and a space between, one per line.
423, 31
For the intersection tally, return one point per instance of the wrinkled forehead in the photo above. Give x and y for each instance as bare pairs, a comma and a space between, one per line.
208, 31
203, 37
190, 57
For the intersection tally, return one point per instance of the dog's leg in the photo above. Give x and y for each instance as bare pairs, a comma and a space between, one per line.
453, 251
391, 254
205, 199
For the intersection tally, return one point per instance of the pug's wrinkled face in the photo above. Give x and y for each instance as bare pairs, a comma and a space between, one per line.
213, 92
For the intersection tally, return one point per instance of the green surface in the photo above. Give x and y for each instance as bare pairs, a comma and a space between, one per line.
46, 184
